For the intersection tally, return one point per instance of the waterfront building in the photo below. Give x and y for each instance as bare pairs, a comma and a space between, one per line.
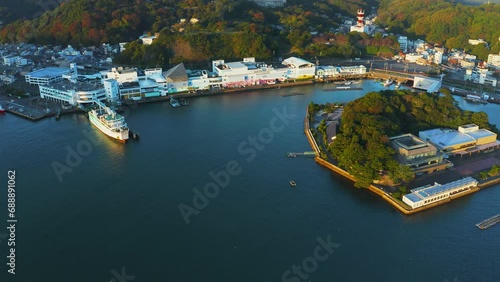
201, 80
270, 3
47, 75
419, 155
120, 74
249, 72
331, 71
112, 89
429, 84
131, 85
72, 93
436, 192
467, 139
176, 79
299, 68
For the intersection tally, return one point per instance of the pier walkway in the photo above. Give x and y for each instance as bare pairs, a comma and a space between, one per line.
487, 223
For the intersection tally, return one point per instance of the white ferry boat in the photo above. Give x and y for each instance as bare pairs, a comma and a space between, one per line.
109, 122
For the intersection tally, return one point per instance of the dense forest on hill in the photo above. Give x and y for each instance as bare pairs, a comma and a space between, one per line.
224, 28
445, 23
239, 28
362, 146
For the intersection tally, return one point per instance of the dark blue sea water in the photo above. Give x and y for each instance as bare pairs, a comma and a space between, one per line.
116, 216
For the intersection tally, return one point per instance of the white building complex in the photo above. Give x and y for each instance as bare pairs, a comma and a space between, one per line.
332, 71
436, 192
132, 84
72, 93
249, 72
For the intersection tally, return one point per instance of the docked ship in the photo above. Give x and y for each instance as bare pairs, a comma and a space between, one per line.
109, 122
475, 99
388, 82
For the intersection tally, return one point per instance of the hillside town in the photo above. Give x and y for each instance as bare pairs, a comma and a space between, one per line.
77, 76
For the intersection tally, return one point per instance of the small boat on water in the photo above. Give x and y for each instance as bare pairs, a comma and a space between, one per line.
174, 103
475, 99
348, 83
387, 82
292, 94
291, 155
292, 183
58, 114
2, 110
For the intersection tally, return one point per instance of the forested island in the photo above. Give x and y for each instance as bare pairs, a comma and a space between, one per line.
362, 144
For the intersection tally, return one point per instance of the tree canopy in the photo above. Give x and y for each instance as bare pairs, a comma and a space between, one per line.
444, 22
362, 145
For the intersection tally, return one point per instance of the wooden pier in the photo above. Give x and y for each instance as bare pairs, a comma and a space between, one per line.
487, 223
305, 154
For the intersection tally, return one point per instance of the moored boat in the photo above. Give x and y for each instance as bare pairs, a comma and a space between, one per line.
174, 103
2, 110
475, 99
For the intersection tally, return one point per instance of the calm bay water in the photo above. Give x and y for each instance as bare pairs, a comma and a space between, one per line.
119, 208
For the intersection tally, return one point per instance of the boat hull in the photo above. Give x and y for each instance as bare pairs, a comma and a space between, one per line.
121, 136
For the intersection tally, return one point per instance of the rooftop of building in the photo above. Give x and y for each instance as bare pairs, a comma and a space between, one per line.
147, 83
481, 133
49, 72
296, 62
411, 143
436, 188
133, 84
78, 86
447, 137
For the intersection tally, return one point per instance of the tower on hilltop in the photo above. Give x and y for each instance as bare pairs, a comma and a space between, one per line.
361, 18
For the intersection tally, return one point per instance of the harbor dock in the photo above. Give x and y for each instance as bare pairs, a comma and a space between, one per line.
487, 223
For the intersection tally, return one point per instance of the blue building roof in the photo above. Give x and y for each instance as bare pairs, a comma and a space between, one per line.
429, 191
49, 72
